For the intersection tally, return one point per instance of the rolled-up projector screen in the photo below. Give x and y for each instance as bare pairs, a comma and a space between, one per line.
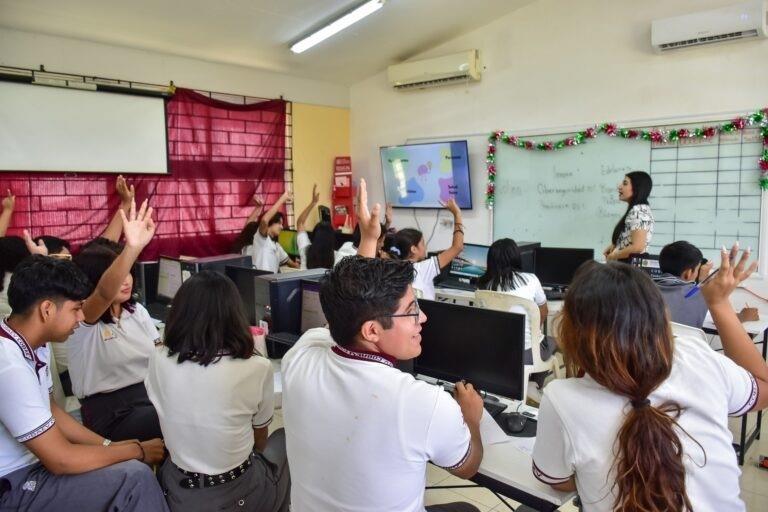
68, 130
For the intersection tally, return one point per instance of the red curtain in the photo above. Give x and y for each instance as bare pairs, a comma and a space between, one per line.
219, 154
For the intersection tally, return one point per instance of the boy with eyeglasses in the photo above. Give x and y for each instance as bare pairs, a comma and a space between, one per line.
360, 432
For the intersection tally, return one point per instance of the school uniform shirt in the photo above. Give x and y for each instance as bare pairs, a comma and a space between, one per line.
360, 432
639, 217
208, 413
579, 420
531, 290
426, 272
346, 249
267, 254
25, 407
5, 308
687, 311
303, 243
107, 357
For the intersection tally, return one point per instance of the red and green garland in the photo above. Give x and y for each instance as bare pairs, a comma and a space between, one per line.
758, 118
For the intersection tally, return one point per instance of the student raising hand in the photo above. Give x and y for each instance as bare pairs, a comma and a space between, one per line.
368, 220
138, 228
126, 193
32, 247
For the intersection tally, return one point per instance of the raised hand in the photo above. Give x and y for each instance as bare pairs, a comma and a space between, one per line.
138, 228
729, 276
257, 200
368, 220
388, 212
9, 201
315, 194
287, 197
33, 248
452, 207
126, 193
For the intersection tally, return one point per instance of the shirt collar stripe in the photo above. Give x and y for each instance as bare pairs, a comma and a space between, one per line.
19, 340
363, 355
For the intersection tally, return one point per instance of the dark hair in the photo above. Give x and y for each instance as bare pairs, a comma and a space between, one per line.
404, 240
206, 321
245, 238
388, 246
13, 250
94, 261
100, 241
277, 218
360, 289
54, 244
321, 253
615, 328
677, 257
503, 268
641, 189
40, 278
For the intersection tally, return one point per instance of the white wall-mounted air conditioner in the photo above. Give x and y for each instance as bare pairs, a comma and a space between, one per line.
739, 21
457, 67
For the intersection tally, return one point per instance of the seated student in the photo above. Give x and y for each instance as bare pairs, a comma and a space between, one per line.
350, 248
108, 354
320, 251
645, 426
214, 396
243, 243
266, 252
504, 274
409, 245
12, 252
48, 461
57, 247
359, 431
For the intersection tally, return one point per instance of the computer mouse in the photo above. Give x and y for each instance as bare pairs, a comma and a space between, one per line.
516, 422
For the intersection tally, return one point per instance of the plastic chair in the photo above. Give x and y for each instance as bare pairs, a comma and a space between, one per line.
505, 302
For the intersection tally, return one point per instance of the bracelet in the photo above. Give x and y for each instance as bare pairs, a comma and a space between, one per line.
458, 231
106, 442
143, 454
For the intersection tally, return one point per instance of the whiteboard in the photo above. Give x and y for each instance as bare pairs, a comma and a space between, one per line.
705, 192
68, 130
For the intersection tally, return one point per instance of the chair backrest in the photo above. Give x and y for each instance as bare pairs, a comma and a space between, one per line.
506, 302
687, 330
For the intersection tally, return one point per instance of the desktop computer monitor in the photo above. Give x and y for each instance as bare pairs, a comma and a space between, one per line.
245, 281
278, 297
287, 239
169, 277
311, 311
471, 262
648, 263
556, 266
453, 347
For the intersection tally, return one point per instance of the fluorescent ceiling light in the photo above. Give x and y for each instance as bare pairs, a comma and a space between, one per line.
338, 25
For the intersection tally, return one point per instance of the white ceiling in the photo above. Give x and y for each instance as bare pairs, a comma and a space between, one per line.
257, 33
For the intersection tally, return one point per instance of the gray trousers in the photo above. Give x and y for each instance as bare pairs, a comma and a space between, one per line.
127, 486
265, 487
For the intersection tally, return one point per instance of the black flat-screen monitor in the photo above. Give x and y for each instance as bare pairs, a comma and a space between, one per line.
482, 346
245, 281
556, 266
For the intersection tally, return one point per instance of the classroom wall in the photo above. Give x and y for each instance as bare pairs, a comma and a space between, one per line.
65, 55
319, 135
554, 64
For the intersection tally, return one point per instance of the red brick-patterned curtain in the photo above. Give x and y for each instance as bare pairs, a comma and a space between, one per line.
219, 153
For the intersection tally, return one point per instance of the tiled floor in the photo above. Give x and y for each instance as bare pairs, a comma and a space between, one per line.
754, 483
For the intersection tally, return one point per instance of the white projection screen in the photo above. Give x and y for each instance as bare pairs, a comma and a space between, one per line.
68, 130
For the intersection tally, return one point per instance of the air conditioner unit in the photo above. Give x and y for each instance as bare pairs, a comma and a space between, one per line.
457, 67
739, 21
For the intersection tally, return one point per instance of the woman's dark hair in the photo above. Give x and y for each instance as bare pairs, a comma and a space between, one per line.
245, 238
54, 244
503, 268
615, 328
94, 261
13, 250
677, 257
388, 246
404, 240
206, 321
321, 253
39, 278
360, 289
641, 189
100, 241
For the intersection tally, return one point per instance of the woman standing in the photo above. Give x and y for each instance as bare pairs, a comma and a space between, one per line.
633, 232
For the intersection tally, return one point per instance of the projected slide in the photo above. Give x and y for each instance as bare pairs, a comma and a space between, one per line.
426, 175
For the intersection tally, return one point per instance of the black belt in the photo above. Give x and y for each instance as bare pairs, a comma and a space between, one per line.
201, 480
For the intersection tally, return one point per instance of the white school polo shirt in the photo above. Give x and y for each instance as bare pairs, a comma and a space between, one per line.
531, 290
579, 420
107, 357
25, 407
360, 432
208, 413
426, 272
5, 308
267, 254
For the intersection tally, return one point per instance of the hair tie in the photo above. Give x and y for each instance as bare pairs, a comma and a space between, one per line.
639, 404
394, 250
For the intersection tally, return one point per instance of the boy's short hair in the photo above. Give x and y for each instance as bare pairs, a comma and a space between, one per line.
39, 278
360, 289
678, 257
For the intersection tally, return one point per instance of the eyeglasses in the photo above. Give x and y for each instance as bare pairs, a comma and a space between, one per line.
416, 314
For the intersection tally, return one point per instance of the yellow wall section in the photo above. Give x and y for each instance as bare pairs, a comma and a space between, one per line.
319, 135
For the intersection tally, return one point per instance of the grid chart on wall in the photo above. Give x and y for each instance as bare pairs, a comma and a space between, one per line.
706, 192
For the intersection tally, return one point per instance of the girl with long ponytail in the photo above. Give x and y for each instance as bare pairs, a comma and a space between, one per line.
644, 425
